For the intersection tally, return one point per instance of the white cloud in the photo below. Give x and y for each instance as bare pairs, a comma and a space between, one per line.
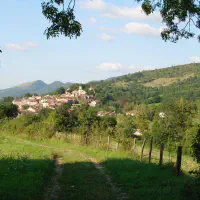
141, 29
110, 30
108, 66
21, 47
15, 47
112, 11
195, 59
30, 44
106, 37
118, 67
137, 68
93, 5
92, 20
131, 13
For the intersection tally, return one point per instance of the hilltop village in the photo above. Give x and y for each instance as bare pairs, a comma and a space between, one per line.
35, 103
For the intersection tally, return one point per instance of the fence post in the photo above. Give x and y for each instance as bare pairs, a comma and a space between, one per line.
81, 140
97, 141
71, 137
150, 149
144, 142
134, 146
162, 146
108, 143
86, 139
117, 145
178, 162
100, 142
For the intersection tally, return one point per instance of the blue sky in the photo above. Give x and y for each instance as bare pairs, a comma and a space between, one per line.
117, 39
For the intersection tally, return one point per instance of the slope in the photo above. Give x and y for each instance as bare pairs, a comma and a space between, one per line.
152, 86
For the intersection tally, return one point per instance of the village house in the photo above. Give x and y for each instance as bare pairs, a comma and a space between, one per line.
138, 133
104, 113
32, 109
18, 102
35, 103
32, 102
162, 115
81, 91
131, 112
91, 88
38, 97
92, 103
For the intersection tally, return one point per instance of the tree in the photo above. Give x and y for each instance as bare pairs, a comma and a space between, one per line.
183, 112
73, 87
8, 99
178, 119
27, 95
60, 90
178, 15
62, 20
196, 146
141, 118
175, 13
8, 110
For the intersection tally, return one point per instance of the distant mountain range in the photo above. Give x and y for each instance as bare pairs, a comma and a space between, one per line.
38, 87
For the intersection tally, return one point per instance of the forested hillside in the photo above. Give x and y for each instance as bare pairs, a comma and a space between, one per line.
152, 86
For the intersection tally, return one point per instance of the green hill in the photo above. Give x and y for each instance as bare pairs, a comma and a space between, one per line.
152, 86
38, 87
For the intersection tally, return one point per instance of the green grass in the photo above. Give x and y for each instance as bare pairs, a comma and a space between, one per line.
32, 167
24, 170
82, 181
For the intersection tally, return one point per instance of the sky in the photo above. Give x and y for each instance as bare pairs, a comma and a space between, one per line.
117, 38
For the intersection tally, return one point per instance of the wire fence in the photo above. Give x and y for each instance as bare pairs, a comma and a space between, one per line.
146, 152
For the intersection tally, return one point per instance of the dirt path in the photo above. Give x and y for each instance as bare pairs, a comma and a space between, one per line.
116, 190
54, 188
52, 191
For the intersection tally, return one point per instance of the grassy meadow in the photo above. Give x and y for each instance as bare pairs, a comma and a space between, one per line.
27, 167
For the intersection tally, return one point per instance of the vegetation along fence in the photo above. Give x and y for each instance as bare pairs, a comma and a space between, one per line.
144, 150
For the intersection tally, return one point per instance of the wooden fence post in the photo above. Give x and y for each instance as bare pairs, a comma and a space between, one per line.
178, 162
97, 141
81, 139
162, 146
108, 143
150, 149
144, 142
86, 139
71, 137
100, 142
134, 146
117, 145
